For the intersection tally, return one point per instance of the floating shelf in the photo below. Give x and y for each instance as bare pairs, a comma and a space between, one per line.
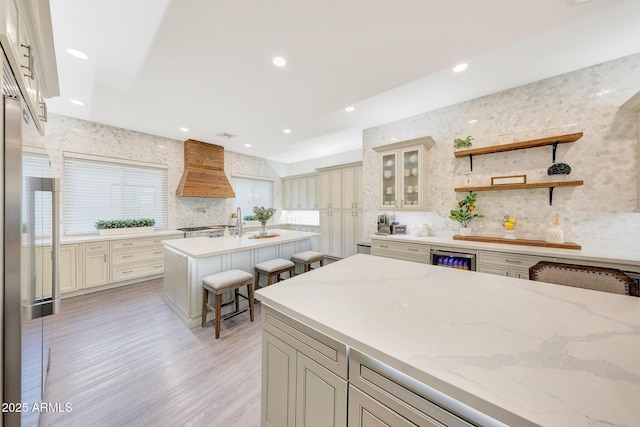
521, 242
549, 184
560, 139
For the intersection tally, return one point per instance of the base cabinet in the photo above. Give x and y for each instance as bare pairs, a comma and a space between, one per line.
96, 264
365, 411
505, 264
68, 269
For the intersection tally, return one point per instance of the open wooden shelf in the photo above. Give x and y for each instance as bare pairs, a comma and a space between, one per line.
560, 139
549, 184
521, 242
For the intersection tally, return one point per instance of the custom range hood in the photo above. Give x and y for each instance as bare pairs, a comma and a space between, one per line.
204, 171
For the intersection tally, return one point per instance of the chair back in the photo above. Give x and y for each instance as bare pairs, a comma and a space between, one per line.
584, 276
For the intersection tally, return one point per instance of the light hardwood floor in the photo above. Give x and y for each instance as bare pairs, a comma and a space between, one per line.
122, 358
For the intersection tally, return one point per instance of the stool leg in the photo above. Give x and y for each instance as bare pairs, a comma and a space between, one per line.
257, 280
218, 317
205, 297
237, 301
250, 294
307, 267
270, 280
292, 272
322, 262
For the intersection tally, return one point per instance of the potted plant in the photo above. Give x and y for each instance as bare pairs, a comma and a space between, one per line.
251, 220
263, 215
125, 226
464, 213
459, 143
509, 224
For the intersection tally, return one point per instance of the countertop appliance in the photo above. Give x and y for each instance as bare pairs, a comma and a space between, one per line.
384, 224
206, 231
398, 229
458, 260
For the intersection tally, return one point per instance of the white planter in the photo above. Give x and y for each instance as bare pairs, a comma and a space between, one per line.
128, 230
509, 235
465, 231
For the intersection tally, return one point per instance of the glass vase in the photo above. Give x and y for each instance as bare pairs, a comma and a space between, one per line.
263, 229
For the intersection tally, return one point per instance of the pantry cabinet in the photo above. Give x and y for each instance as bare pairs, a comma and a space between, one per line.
402, 183
300, 192
340, 196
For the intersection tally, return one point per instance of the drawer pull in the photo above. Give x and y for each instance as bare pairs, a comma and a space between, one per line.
157, 252
127, 244
127, 272
384, 246
96, 247
157, 266
514, 261
127, 256
413, 249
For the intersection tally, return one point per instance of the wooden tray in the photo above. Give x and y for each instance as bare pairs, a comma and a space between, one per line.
521, 242
266, 236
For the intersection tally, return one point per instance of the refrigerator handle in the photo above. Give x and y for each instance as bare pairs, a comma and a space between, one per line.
55, 244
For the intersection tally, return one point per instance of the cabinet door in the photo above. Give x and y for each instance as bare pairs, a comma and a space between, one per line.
350, 225
68, 270
295, 194
349, 190
494, 270
331, 189
302, 193
364, 411
286, 193
312, 192
278, 382
411, 181
331, 229
321, 395
388, 180
358, 189
96, 270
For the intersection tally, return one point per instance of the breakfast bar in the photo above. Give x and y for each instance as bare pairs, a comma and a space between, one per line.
188, 261
426, 343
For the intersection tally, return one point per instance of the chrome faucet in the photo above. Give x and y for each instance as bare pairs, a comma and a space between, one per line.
239, 222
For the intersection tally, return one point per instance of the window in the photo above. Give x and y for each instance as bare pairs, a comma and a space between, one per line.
36, 163
252, 192
98, 188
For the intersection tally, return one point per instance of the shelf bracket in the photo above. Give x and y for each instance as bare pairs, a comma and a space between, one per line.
471, 162
553, 154
551, 196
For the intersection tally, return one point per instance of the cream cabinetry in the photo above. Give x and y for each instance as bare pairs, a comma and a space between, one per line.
134, 258
304, 374
402, 174
69, 280
96, 264
300, 192
340, 197
410, 251
25, 33
506, 264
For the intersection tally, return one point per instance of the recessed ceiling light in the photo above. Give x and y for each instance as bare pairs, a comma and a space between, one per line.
349, 109
75, 101
247, 145
472, 121
286, 130
184, 129
279, 61
460, 67
77, 54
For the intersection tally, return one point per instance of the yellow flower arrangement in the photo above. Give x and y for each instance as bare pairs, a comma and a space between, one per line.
509, 222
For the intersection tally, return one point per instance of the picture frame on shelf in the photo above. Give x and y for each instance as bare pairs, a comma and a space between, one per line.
507, 180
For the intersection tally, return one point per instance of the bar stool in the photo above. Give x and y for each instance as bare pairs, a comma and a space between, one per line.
307, 258
274, 268
218, 284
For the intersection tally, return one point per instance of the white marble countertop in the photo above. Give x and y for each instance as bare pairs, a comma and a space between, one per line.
95, 237
622, 256
202, 247
514, 349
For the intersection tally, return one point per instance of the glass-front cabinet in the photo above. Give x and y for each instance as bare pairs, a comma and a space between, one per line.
402, 177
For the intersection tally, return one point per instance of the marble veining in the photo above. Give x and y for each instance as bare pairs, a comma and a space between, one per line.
553, 355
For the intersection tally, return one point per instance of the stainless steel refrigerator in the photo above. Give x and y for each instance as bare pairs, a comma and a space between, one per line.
29, 262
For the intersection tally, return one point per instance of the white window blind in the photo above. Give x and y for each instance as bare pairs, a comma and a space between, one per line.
252, 192
97, 189
37, 164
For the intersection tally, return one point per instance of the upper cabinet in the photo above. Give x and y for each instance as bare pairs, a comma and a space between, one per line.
26, 37
402, 174
300, 192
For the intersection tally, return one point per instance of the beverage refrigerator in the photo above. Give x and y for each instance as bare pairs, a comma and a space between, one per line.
29, 263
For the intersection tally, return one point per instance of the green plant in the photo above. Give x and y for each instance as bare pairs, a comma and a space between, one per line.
263, 214
125, 223
250, 218
463, 213
461, 143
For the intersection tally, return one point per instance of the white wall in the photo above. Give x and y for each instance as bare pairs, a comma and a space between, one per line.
602, 211
79, 136
310, 166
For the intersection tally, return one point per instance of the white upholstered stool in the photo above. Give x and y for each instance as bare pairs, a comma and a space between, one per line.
218, 284
274, 268
307, 258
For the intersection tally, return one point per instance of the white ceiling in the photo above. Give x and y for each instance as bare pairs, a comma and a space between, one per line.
158, 65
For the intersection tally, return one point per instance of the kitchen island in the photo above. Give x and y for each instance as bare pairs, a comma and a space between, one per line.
486, 349
188, 261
